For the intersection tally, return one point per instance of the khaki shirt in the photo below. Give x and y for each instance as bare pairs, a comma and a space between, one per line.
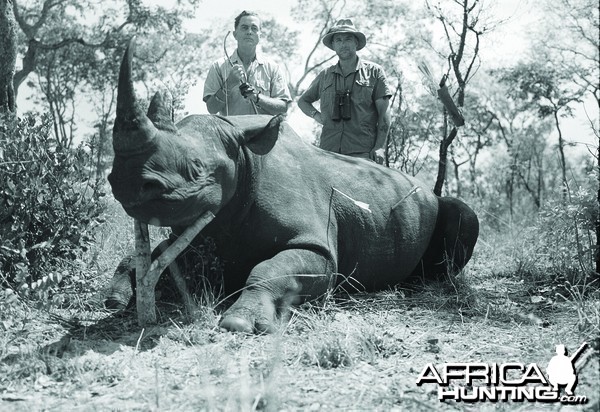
262, 74
367, 84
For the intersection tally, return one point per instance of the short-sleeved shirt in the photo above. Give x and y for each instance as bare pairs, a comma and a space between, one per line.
367, 84
262, 73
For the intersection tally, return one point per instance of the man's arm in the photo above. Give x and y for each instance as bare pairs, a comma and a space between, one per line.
276, 98
215, 88
271, 105
383, 128
215, 102
305, 102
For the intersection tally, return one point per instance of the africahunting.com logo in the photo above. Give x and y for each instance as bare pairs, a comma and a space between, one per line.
507, 381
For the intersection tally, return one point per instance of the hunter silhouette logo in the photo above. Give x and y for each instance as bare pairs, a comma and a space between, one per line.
561, 368
480, 382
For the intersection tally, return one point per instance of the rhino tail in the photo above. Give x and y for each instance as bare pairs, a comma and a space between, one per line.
453, 241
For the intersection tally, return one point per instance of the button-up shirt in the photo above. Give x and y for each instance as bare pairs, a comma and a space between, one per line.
262, 73
366, 84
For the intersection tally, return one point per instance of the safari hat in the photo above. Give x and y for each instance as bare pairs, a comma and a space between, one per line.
344, 26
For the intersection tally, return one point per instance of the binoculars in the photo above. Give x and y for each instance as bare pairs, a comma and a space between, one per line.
341, 106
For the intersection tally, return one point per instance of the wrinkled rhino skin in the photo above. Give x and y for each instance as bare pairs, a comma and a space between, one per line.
288, 215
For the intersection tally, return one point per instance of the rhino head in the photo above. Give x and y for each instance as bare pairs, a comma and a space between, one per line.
163, 174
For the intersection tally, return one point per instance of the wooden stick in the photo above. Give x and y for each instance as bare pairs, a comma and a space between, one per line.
145, 299
179, 280
180, 283
146, 280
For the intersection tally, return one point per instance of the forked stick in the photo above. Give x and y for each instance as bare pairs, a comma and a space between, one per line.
147, 274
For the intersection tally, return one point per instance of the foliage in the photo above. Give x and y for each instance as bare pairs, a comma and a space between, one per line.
413, 136
93, 25
74, 48
569, 37
566, 232
542, 86
48, 207
549, 245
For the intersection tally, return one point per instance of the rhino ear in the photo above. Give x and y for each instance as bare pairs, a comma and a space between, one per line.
267, 127
160, 111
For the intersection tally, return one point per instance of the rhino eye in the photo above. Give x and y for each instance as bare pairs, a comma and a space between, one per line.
153, 186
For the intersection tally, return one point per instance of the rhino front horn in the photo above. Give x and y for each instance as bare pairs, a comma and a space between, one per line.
132, 130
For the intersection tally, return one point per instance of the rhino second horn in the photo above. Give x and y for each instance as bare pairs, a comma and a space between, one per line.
160, 111
132, 130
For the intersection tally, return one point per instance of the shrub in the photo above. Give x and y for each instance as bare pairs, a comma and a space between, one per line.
49, 205
567, 231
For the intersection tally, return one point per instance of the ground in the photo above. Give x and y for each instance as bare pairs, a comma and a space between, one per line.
358, 352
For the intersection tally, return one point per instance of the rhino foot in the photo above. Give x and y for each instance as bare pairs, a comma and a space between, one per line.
115, 303
236, 324
256, 317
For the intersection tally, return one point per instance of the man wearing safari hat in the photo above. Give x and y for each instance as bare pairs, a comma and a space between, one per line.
354, 97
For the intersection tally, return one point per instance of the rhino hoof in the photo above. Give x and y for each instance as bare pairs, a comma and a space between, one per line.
236, 324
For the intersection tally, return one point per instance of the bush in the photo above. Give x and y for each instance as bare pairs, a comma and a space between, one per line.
567, 231
49, 205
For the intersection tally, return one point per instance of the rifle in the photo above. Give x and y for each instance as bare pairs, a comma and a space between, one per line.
578, 352
231, 64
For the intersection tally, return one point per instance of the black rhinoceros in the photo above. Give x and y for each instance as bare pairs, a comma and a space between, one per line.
289, 217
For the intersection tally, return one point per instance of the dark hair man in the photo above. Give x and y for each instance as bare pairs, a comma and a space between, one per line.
246, 84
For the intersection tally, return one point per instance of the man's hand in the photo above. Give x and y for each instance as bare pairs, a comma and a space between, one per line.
236, 76
378, 155
318, 117
247, 90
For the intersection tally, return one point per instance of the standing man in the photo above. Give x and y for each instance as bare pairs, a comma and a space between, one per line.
246, 84
354, 98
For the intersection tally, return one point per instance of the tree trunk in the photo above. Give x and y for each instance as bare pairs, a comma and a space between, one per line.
8, 58
597, 222
561, 151
444, 145
457, 178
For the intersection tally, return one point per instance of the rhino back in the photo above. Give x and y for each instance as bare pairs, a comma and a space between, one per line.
307, 197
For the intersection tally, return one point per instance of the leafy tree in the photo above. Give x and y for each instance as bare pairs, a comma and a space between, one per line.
91, 24
569, 37
80, 58
548, 90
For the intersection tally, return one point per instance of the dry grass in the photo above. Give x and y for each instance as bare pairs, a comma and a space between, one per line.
362, 352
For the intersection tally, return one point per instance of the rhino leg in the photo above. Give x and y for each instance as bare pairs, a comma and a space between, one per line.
121, 290
273, 285
122, 285
453, 240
